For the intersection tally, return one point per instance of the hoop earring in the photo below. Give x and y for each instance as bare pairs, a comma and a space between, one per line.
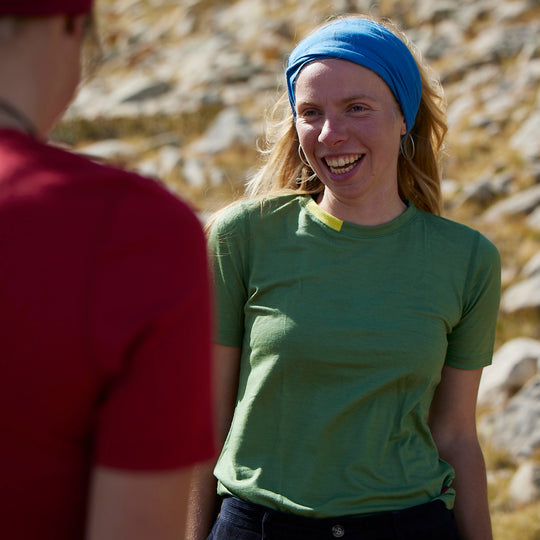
302, 156
407, 153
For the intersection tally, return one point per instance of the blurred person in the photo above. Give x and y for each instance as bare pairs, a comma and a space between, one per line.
353, 320
104, 318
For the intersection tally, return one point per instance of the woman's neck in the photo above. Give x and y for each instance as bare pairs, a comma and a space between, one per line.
370, 214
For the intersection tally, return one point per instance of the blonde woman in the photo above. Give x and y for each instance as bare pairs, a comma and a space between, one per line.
354, 321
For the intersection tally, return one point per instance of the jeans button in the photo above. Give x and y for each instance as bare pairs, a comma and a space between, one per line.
338, 531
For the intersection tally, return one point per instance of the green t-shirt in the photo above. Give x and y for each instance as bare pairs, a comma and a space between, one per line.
344, 330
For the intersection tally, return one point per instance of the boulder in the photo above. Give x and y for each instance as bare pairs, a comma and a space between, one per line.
526, 139
525, 484
533, 221
111, 149
513, 365
516, 428
229, 128
522, 295
523, 202
533, 266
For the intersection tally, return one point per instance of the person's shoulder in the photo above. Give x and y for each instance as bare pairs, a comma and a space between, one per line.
453, 233
129, 188
251, 212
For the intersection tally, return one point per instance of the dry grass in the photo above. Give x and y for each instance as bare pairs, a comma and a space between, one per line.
510, 522
518, 524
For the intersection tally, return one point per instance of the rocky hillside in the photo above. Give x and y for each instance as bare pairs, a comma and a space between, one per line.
183, 92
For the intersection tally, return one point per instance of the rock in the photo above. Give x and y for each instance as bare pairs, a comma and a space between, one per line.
133, 88
449, 188
533, 266
445, 36
216, 176
149, 168
497, 43
168, 159
523, 202
516, 429
522, 295
165, 161
111, 149
526, 139
193, 172
471, 12
533, 221
481, 192
436, 12
525, 484
508, 274
499, 101
151, 89
513, 365
529, 76
510, 11
460, 108
229, 128
485, 190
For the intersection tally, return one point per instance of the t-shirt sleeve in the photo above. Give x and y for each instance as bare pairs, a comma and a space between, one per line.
152, 325
228, 241
471, 341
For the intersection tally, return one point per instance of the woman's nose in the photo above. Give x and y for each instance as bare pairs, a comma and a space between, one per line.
333, 132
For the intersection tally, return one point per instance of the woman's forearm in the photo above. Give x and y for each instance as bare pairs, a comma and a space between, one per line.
471, 506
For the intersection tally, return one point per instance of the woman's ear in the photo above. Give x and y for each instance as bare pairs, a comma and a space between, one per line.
403, 130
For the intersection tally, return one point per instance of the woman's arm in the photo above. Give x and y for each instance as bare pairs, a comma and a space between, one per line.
203, 501
452, 420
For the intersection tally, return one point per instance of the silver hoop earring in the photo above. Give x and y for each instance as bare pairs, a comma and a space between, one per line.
306, 181
302, 156
407, 151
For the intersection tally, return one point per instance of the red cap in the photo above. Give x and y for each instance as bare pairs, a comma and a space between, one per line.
44, 8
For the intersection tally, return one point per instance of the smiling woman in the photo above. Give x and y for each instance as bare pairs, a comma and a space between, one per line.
418, 162
350, 126
353, 321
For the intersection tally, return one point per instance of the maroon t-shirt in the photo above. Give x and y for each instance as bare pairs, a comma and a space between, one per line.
104, 333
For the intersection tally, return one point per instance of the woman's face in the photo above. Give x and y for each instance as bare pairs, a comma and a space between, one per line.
350, 126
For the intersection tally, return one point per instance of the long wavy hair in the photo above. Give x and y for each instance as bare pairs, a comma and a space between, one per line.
419, 175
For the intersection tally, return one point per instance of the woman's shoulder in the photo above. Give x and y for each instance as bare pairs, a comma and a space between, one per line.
457, 235
252, 212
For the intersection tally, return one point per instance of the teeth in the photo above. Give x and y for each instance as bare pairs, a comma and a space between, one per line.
343, 164
342, 170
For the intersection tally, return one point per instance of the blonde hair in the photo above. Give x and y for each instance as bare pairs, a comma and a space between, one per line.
419, 176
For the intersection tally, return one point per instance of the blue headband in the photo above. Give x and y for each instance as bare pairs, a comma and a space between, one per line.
370, 45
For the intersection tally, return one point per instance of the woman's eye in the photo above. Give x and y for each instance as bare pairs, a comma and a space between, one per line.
358, 108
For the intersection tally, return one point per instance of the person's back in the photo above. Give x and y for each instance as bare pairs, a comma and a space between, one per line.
95, 266
104, 322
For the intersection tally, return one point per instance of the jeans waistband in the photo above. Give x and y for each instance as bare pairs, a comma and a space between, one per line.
261, 518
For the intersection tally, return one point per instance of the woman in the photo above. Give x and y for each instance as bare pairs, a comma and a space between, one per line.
359, 320
105, 357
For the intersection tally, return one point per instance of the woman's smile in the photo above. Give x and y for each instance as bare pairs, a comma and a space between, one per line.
340, 165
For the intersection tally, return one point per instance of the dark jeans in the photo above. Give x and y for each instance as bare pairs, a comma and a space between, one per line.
240, 520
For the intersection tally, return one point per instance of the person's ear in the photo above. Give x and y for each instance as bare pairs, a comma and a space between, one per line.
74, 24
403, 130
